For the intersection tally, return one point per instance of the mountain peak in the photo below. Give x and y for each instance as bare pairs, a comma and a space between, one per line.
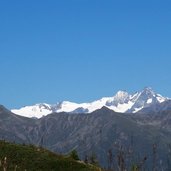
149, 90
120, 98
121, 93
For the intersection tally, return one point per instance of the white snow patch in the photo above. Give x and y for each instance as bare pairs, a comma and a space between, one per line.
122, 108
36, 111
160, 98
149, 101
137, 109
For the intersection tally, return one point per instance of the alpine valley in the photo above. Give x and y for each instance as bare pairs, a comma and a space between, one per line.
123, 130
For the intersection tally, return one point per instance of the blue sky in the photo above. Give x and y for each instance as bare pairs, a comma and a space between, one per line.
81, 50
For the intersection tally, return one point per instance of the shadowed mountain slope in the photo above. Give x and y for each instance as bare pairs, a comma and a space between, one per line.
94, 133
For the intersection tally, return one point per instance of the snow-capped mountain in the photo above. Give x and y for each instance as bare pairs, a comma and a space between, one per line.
122, 102
36, 111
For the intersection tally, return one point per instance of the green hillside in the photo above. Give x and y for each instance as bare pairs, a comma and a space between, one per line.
16, 157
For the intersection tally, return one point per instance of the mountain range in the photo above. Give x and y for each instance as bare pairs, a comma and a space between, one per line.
122, 102
143, 120
129, 124
99, 133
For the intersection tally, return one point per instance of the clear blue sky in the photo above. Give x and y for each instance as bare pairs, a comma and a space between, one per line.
81, 50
